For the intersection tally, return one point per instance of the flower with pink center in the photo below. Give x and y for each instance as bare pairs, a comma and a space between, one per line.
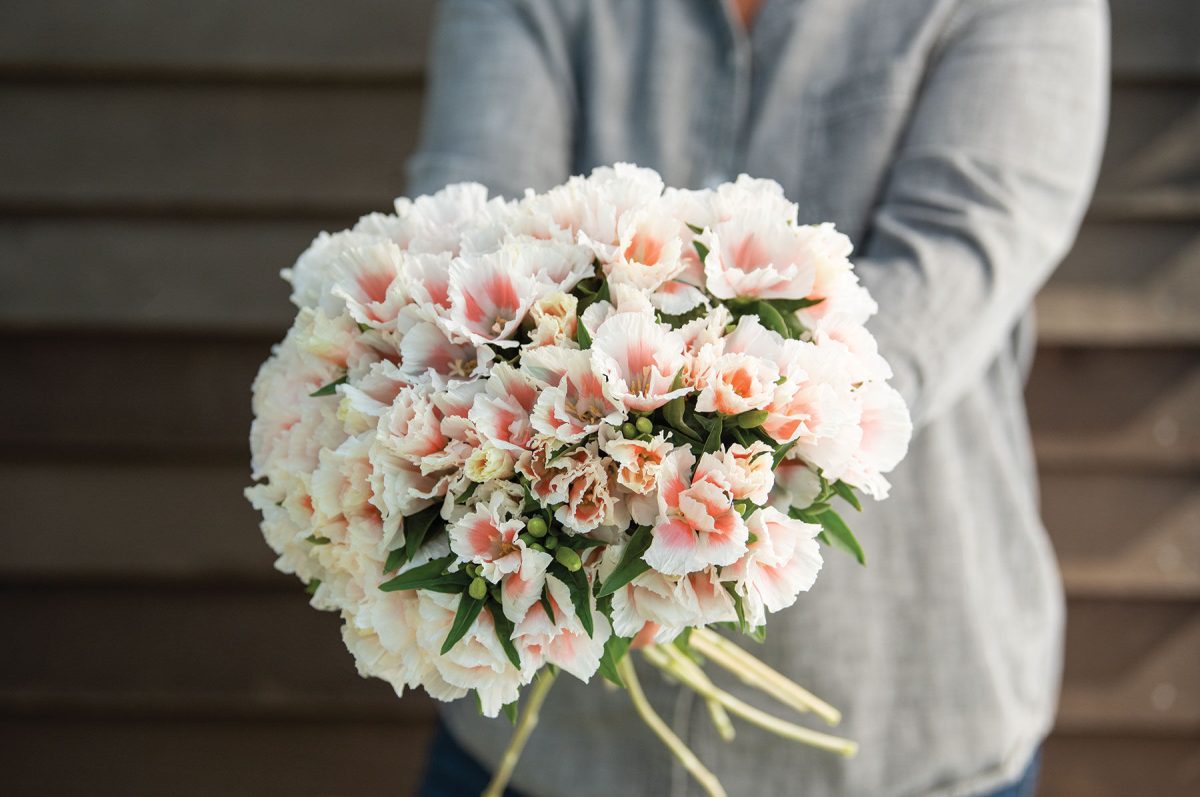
590, 499
649, 249
750, 471
425, 348
638, 463
753, 256
886, 429
737, 383
489, 297
489, 537
697, 523
640, 359
561, 640
425, 277
577, 405
501, 414
782, 562
364, 277
554, 265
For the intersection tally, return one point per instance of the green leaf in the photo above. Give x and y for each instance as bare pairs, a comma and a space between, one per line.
602, 292
510, 711
847, 494
395, 558
466, 494
581, 593
315, 540
614, 650
792, 305
738, 608
468, 610
416, 529
548, 606
713, 441
771, 319
504, 632
701, 250
694, 228
631, 565
581, 335
780, 453
330, 389
419, 577
673, 412
840, 536
311, 586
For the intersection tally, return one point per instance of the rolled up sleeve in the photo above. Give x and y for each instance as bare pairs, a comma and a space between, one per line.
499, 103
987, 190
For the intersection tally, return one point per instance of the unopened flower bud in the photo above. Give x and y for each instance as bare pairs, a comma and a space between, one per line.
478, 588
629, 430
537, 527
568, 559
644, 425
487, 463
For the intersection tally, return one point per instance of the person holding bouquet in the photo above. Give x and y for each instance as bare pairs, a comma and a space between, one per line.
957, 143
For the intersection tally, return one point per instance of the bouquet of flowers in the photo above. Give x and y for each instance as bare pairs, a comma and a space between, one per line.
505, 439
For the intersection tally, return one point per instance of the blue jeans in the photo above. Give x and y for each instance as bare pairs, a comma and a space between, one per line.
451, 772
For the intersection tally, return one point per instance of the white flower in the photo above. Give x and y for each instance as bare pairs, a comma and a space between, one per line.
487, 463
640, 359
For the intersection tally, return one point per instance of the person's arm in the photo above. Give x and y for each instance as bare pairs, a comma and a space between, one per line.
987, 190
500, 102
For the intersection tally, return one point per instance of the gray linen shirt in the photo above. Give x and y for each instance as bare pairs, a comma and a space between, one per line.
956, 142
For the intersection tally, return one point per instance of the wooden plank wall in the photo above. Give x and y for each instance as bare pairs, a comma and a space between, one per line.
161, 160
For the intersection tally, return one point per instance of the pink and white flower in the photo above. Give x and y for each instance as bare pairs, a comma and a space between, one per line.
751, 256
698, 525
782, 562
735, 383
640, 358
576, 406
489, 297
490, 538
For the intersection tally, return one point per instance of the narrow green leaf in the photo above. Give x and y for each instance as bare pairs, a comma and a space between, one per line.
602, 292
504, 632
701, 250
416, 529
780, 453
419, 577
673, 412
468, 610
548, 606
581, 593
631, 564
847, 494
713, 441
771, 319
510, 711
466, 494
614, 650
329, 389
395, 558
311, 586
840, 536
315, 540
581, 335
694, 228
792, 305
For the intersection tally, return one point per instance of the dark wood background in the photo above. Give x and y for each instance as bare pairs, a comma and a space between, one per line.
161, 160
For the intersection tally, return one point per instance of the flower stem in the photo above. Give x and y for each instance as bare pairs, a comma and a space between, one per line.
680, 750
525, 725
669, 660
716, 711
752, 672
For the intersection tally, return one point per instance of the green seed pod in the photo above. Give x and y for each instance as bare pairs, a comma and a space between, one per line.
478, 588
537, 546
568, 559
629, 430
526, 538
537, 527
550, 543
644, 425
751, 419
